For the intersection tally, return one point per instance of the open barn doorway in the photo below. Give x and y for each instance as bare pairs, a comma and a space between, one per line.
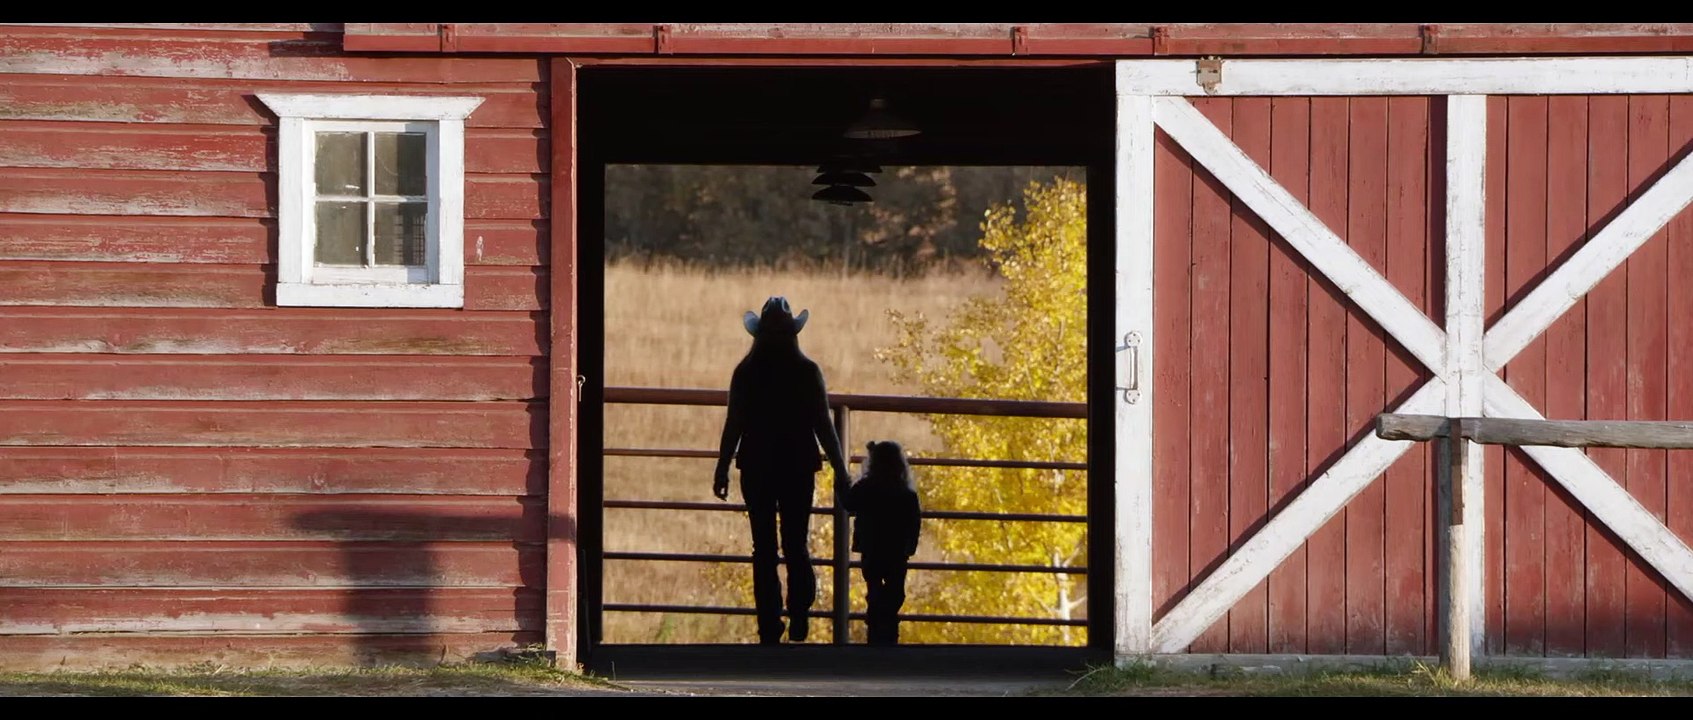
672, 160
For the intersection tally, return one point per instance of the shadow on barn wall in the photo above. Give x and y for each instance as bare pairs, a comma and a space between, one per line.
406, 602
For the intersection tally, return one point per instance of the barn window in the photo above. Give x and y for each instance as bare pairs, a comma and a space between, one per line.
372, 200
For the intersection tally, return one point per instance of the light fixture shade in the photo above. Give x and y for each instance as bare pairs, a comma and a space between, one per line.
841, 195
836, 177
878, 124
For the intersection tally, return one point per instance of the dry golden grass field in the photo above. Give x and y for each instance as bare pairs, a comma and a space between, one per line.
678, 327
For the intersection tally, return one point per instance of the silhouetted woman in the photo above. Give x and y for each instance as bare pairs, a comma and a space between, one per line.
778, 414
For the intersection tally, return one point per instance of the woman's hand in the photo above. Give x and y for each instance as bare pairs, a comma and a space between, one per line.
720, 484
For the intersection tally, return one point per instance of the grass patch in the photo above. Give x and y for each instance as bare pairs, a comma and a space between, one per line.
1411, 678
512, 677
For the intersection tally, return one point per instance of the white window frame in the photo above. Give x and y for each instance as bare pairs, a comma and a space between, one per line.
439, 283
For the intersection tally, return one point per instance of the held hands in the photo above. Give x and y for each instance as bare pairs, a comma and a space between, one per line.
720, 484
842, 474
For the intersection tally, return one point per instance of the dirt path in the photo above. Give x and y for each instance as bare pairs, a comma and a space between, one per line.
846, 686
820, 670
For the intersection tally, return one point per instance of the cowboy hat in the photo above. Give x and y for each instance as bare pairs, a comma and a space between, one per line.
776, 318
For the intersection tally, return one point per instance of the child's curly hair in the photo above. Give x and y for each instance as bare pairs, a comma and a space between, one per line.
886, 463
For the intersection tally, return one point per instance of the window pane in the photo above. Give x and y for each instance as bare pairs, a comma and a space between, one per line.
400, 233
400, 159
340, 163
340, 233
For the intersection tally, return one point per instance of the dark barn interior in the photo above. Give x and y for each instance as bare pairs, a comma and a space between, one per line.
752, 115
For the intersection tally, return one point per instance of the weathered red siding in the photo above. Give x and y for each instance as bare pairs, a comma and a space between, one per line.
1566, 369
1574, 163
1290, 165
1411, 233
1027, 43
1311, 367
1172, 374
1494, 307
1208, 422
190, 473
194, 473
1326, 404
1525, 488
1679, 500
1248, 406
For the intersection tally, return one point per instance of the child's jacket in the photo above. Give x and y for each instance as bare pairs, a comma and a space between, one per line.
887, 518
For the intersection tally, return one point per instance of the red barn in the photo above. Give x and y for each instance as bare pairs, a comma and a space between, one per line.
299, 323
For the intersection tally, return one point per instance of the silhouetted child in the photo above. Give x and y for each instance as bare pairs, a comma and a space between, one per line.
885, 530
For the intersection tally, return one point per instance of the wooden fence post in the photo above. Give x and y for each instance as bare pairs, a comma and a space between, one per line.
842, 615
1455, 612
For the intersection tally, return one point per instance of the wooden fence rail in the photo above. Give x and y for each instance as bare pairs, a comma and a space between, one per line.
1454, 434
842, 406
1654, 434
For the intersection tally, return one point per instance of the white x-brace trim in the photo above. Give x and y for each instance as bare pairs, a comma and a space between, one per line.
1464, 360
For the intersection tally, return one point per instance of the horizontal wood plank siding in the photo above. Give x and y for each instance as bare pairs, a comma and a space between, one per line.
118, 650
226, 241
159, 285
243, 423
193, 473
52, 611
268, 563
269, 377
222, 194
290, 331
153, 471
435, 518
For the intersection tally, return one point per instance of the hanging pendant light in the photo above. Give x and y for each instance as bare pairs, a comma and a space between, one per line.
846, 172
841, 195
840, 177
